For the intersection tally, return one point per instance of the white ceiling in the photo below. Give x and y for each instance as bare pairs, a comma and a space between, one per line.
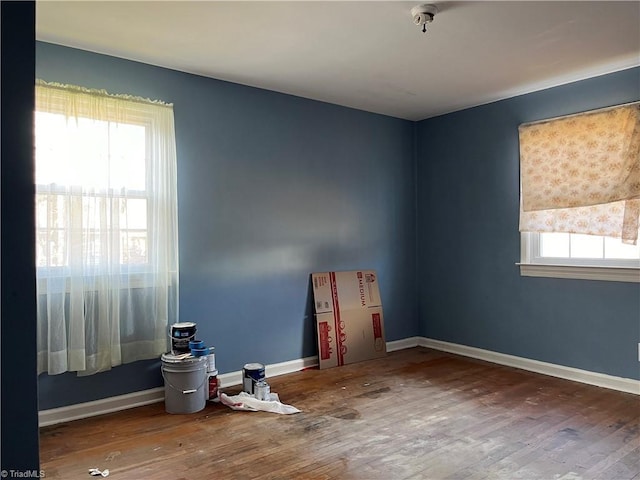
361, 54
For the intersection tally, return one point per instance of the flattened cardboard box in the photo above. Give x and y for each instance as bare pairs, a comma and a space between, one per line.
349, 319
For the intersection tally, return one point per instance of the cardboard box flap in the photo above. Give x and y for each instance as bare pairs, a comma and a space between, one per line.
345, 290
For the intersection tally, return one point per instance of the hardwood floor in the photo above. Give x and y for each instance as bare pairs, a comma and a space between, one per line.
416, 414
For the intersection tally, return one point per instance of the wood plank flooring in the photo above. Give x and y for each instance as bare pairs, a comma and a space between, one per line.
416, 414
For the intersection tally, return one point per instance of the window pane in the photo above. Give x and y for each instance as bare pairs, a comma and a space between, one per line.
133, 248
127, 156
91, 153
92, 249
50, 138
51, 218
86, 172
134, 213
50, 248
614, 248
586, 246
51, 211
554, 245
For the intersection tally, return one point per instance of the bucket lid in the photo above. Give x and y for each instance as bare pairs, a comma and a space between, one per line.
183, 325
180, 358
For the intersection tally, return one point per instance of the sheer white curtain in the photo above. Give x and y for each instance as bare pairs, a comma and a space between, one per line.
106, 228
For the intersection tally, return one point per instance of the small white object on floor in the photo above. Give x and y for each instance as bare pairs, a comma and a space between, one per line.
95, 472
246, 402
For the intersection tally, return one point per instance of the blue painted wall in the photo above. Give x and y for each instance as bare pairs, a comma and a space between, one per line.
271, 187
468, 242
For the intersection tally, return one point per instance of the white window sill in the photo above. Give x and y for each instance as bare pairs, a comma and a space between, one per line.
610, 274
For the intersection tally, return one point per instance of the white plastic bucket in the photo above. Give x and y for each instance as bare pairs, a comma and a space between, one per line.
185, 389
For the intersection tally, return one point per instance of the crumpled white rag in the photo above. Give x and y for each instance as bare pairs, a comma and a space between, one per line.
247, 402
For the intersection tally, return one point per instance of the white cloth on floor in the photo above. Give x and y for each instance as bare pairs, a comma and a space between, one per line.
246, 402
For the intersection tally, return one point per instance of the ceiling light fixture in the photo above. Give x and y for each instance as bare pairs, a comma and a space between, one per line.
423, 14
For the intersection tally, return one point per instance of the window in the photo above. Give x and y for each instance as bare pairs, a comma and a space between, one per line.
570, 255
580, 195
587, 250
106, 228
106, 163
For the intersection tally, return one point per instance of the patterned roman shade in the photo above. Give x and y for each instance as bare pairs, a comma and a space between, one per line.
581, 174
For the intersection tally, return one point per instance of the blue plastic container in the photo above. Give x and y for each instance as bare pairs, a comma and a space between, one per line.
200, 352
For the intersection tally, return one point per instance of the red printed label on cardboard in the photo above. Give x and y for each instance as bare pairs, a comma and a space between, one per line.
339, 323
325, 349
377, 325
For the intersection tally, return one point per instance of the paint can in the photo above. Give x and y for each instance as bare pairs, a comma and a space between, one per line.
263, 391
212, 382
252, 373
211, 360
181, 334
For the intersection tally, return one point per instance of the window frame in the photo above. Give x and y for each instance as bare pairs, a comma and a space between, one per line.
533, 265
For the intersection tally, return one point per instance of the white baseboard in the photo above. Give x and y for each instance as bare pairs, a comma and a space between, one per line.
137, 399
404, 343
235, 378
621, 384
154, 395
100, 407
